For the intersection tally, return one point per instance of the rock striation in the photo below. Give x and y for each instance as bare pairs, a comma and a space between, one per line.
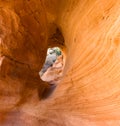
89, 36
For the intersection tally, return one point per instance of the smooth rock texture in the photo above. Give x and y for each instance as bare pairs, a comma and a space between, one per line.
88, 33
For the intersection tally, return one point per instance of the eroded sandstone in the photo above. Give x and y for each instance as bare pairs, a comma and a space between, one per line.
88, 94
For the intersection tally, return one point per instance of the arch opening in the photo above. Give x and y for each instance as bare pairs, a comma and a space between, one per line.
52, 69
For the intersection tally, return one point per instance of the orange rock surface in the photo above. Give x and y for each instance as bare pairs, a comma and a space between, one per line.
88, 33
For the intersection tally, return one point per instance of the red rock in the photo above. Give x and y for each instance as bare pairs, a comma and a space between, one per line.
88, 33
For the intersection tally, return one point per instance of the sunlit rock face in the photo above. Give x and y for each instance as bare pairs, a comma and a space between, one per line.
54, 73
88, 93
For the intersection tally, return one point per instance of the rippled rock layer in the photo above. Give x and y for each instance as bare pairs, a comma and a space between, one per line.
88, 34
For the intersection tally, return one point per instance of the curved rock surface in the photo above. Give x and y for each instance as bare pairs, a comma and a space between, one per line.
88, 33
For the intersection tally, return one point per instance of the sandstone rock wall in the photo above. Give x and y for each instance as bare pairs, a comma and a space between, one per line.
89, 92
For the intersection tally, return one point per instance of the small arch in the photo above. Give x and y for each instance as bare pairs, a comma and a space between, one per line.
52, 70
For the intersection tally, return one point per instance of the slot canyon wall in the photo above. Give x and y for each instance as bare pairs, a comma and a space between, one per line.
88, 33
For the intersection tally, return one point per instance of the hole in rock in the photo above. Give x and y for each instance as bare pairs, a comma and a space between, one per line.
51, 71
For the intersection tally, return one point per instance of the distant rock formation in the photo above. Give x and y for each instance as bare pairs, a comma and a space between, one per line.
51, 57
53, 73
